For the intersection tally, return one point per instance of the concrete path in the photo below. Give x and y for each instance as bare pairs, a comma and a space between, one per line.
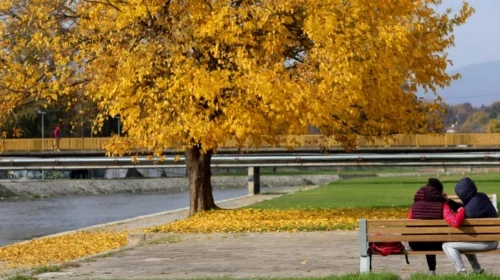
249, 255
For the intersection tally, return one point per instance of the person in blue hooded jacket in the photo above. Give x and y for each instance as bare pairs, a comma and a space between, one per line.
475, 205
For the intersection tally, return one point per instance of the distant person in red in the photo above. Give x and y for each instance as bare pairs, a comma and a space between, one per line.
57, 138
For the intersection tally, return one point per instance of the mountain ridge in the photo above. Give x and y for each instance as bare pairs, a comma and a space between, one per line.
479, 85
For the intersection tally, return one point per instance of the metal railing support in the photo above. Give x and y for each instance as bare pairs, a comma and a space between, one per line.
364, 259
253, 180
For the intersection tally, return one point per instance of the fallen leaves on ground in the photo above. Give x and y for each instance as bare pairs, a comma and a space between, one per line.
256, 220
61, 248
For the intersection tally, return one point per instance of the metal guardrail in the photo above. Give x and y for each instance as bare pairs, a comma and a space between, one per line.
310, 140
378, 160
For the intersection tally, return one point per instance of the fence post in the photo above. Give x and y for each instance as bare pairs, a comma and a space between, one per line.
494, 200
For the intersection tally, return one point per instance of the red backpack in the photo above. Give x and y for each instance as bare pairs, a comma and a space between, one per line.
386, 248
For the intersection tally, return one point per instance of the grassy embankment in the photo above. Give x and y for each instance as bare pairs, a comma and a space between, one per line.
373, 192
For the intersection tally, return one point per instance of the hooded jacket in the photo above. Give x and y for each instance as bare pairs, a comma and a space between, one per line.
476, 204
428, 204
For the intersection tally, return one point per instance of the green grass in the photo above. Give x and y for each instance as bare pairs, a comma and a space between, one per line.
333, 171
420, 276
46, 268
293, 171
372, 192
19, 277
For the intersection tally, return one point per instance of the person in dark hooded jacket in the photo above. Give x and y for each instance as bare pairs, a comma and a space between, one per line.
428, 203
475, 205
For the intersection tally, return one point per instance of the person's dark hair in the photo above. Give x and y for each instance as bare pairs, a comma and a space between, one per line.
436, 184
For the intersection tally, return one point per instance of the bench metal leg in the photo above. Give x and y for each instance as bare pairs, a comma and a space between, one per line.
364, 260
364, 264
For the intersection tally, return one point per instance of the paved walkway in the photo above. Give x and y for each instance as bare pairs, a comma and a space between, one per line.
303, 254
249, 255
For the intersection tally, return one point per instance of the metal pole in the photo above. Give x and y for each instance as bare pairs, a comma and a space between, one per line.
253, 180
42, 133
91, 136
364, 259
43, 125
83, 139
43, 171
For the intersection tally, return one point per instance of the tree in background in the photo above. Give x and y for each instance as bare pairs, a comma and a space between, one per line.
476, 122
191, 75
493, 126
467, 119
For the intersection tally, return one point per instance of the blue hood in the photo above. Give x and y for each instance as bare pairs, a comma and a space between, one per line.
476, 204
465, 189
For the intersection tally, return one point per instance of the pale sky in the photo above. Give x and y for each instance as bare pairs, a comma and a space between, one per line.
478, 40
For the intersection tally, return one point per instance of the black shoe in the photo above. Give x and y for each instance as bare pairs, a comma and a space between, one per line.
481, 271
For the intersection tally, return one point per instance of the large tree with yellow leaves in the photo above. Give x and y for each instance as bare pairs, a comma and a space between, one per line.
192, 74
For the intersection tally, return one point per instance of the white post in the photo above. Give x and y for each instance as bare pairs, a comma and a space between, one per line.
364, 260
494, 201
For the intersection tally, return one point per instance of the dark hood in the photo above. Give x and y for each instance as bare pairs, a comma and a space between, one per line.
465, 189
428, 193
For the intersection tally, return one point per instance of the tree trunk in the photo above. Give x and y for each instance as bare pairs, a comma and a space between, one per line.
200, 187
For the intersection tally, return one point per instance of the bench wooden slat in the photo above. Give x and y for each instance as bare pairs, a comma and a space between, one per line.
406, 230
492, 197
415, 222
455, 197
433, 230
436, 237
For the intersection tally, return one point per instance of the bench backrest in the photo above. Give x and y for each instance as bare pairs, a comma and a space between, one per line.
493, 198
429, 230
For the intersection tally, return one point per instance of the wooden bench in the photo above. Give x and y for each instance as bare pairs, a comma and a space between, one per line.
405, 230
493, 198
